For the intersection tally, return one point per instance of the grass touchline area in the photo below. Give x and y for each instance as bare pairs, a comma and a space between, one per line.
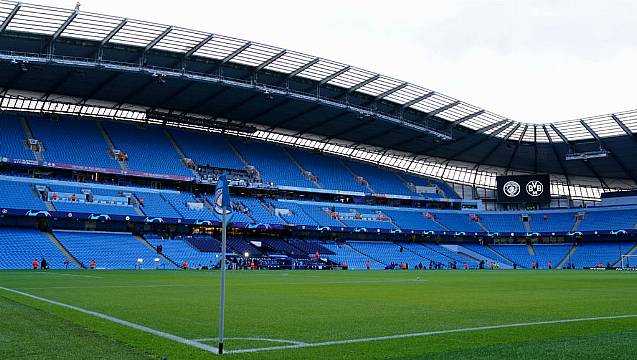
335, 314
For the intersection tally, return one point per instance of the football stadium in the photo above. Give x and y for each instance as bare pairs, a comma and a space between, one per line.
170, 193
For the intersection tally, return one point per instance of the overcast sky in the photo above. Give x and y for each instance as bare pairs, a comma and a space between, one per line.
528, 60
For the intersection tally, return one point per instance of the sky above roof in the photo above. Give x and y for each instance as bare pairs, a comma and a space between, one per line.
532, 61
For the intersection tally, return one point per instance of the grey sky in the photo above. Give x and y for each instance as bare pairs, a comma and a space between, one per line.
533, 61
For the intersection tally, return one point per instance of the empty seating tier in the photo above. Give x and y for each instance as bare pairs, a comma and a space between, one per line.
19, 247
109, 250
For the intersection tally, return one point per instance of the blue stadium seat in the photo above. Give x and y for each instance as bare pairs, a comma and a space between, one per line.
491, 255
382, 181
72, 141
554, 222
458, 221
517, 253
13, 138
355, 260
148, 149
330, 172
110, 250
550, 252
503, 222
413, 220
608, 220
180, 250
296, 215
155, 205
207, 149
179, 202
258, 211
19, 247
591, 254
273, 164
387, 253
19, 195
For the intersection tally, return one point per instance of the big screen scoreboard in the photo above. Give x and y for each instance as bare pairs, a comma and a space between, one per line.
524, 189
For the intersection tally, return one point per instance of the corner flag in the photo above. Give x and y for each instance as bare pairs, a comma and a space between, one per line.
221, 200
221, 205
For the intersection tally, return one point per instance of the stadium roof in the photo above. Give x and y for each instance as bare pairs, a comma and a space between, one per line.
187, 73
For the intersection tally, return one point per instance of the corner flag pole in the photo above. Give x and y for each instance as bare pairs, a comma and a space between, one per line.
223, 279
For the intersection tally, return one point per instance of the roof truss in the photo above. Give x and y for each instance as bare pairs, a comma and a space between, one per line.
10, 17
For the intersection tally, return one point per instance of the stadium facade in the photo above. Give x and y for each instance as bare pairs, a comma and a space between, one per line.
113, 132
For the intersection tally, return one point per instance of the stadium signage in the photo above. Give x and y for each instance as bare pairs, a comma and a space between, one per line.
523, 189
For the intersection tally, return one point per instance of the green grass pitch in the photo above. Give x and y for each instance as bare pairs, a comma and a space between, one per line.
309, 307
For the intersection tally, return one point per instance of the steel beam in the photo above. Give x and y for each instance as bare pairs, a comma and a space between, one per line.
270, 60
443, 108
557, 156
113, 32
158, 39
515, 150
10, 17
236, 52
363, 83
390, 91
482, 130
333, 76
199, 45
418, 99
617, 159
302, 68
465, 118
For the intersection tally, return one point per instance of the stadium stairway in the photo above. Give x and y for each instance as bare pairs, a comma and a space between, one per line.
48, 204
298, 164
439, 223
109, 142
391, 221
236, 152
367, 185
336, 219
136, 207
151, 247
64, 251
531, 249
499, 254
362, 253
411, 250
27, 130
568, 256
407, 184
577, 223
182, 155
527, 226
462, 250
484, 228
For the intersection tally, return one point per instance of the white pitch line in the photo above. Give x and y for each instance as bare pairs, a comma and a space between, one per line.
345, 282
255, 339
429, 333
129, 324
86, 276
106, 286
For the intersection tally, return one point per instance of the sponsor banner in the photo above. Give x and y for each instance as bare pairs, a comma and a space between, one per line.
523, 189
57, 165
158, 220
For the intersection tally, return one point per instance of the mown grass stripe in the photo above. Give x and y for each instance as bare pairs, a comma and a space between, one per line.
119, 321
429, 333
